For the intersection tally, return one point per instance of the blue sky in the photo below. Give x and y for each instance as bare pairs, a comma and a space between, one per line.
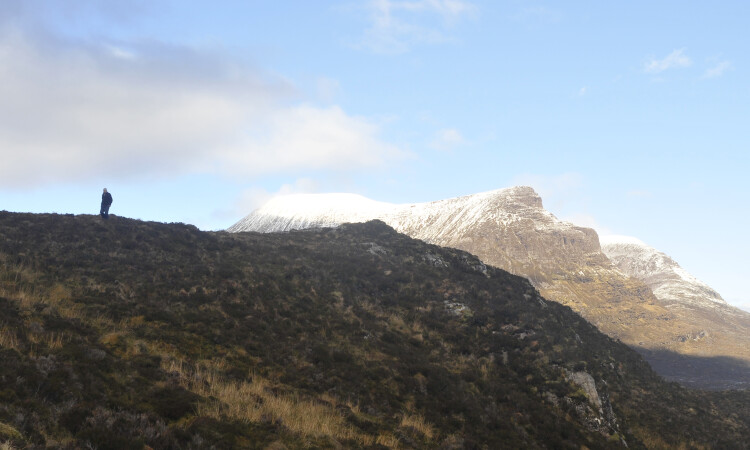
630, 117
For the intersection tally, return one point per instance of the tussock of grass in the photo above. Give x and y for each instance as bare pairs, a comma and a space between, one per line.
418, 423
8, 338
8, 432
52, 341
387, 440
255, 402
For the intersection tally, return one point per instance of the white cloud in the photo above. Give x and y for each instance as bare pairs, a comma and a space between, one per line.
447, 139
718, 70
78, 110
254, 198
396, 26
583, 91
676, 59
306, 137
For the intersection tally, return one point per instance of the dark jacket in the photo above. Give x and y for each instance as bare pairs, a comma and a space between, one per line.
106, 199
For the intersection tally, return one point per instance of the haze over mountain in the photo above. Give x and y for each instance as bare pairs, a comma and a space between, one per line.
510, 229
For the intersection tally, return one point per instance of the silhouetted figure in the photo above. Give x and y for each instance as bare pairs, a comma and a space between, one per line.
106, 203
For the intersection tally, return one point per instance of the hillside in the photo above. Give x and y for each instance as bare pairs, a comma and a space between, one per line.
127, 334
510, 229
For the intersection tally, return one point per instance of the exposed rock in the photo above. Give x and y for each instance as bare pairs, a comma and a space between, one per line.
586, 382
458, 309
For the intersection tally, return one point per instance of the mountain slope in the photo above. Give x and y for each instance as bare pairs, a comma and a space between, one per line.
718, 328
509, 228
122, 334
671, 284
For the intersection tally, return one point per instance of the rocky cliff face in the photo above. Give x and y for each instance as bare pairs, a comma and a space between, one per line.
510, 229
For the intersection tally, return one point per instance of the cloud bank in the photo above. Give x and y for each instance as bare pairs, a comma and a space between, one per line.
83, 109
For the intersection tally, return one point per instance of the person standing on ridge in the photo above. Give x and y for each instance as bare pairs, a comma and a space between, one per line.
106, 203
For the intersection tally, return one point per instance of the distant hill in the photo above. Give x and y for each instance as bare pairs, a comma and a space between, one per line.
127, 334
510, 229
718, 329
671, 284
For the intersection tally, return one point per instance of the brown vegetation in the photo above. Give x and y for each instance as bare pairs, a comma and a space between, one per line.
128, 334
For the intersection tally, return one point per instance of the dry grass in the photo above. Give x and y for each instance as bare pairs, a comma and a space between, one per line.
21, 285
57, 294
70, 311
651, 440
8, 338
18, 283
112, 338
397, 323
255, 401
388, 440
27, 299
417, 422
52, 340
486, 368
8, 431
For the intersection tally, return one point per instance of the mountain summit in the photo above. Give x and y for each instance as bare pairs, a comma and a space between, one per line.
510, 229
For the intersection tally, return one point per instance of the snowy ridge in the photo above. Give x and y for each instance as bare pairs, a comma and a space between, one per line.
669, 282
427, 221
301, 211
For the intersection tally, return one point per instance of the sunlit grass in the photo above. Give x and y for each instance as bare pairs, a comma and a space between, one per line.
254, 401
52, 341
8, 338
418, 423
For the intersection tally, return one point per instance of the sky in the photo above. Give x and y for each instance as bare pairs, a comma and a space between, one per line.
628, 117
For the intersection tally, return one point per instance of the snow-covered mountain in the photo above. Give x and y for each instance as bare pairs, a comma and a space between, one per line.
670, 283
441, 220
509, 228
302, 211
